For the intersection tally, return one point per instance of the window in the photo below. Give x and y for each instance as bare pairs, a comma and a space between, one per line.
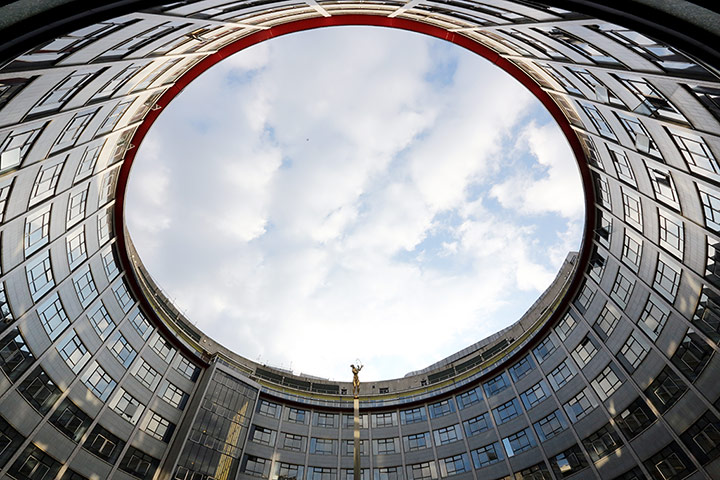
585, 297
518, 442
665, 390
122, 350
621, 290
447, 435
696, 153
174, 396
76, 207
263, 436
269, 409
598, 120
296, 415
76, 249
667, 279
16, 145
103, 444
85, 286
487, 455
384, 419
73, 351
635, 418
550, 425
34, 464
413, 415
607, 382
39, 275
632, 250
127, 406
4, 194
387, 473
672, 236
114, 116
107, 186
141, 325
534, 395
72, 131
140, 40
602, 443
15, 356
602, 188
422, 471
507, 411
104, 225
496, 385
568, 462
544, 349
87, 162
564, 328
70, 420
664, 187
633, 352
476, 425
385, 446
187, 369
39, 390
637, 132
117, 81
139, 464
123, 296
580, 46
328, 420
606, 321
622, 166
579, 406
98, 381
46, 182
599, 90
632, 210
53, 317
653, 318
349, 474
585, 351
703, 437
561, 375
289, 470
454, 465
441, 408
670, 463
292, 442
101, 321
163, 348
521, 368
652, 102
349, 448
146, 375
711, 207
416, 441
468, 398
321, 473
692, 355
603, 228
660, 54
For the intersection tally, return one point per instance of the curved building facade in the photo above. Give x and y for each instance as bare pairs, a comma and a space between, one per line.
612, 374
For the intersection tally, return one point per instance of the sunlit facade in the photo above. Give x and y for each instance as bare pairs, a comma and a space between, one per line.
611, 374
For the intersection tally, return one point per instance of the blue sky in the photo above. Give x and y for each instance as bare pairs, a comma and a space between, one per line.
354, 192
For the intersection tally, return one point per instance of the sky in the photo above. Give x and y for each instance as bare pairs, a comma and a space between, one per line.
354, 193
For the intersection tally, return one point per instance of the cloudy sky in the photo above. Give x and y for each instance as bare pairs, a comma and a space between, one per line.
354, 193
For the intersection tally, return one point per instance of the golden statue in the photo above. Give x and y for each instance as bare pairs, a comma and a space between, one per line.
356, 379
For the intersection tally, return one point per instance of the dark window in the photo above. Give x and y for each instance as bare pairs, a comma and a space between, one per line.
139, 464
103, 444
70, 420
39, 390
34, 464
602, 443
702, 438
635, 418
670, 463
665, 390
568, 462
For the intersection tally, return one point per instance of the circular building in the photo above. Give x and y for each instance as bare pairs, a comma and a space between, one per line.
611, 374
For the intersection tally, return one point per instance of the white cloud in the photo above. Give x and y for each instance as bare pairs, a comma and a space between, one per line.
307, 211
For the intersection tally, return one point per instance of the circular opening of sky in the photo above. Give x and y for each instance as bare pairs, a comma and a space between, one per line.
354, 192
